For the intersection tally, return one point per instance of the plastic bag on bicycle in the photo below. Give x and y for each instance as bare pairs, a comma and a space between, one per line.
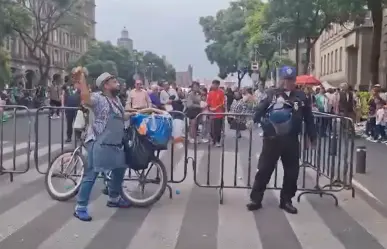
156, 127
138, 149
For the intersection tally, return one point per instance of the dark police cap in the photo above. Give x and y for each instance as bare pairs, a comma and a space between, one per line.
287, 72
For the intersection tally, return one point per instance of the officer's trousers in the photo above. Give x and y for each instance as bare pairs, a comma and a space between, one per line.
286, 148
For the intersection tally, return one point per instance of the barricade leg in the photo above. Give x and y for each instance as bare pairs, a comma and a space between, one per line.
11, 166
158, 178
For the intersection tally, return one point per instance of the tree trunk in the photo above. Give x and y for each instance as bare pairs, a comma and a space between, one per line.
44, 70
307, 55
377, 18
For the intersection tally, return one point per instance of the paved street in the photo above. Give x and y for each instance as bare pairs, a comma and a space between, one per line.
192, 219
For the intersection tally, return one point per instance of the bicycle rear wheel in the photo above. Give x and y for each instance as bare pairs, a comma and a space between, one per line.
157, 178
67, 165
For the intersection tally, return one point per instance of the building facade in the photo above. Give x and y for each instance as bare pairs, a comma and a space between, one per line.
64, 46
184, 79
342, 54
124, 41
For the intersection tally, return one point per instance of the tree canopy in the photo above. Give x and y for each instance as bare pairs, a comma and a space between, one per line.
10, 13
105, 57
250, 29
46, 17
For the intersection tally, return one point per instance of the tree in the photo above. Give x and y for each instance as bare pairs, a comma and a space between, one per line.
261, 38
376, 7
47, 17
307, 19
105, 57
10, 13
226, 38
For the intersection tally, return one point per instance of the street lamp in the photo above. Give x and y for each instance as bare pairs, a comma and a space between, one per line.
151, 66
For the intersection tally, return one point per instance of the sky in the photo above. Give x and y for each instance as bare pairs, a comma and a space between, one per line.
166, 27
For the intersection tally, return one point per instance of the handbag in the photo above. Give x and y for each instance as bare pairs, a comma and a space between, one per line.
138, 150
235, 125
80, 121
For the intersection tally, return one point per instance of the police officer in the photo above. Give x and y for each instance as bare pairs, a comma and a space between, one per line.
281, 114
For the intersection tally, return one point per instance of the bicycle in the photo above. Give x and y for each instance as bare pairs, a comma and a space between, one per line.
69, 159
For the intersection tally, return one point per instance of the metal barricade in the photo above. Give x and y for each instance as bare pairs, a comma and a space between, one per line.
171, 158
332, 159
333, 156
51, 140
11, 129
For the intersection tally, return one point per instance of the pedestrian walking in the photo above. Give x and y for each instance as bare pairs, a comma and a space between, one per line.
281, 114
71, 97
55, 97
215, 101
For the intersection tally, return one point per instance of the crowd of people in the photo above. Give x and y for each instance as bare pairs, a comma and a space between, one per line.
198, 99
345, 101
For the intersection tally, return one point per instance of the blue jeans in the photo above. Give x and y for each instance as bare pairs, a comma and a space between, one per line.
89, 177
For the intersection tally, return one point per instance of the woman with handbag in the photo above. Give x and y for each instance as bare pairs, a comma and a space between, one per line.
245, 105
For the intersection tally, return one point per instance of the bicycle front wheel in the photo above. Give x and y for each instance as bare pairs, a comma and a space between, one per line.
67, 169
155, 178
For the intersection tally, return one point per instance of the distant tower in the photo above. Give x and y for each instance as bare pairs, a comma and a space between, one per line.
124, 41
190, 71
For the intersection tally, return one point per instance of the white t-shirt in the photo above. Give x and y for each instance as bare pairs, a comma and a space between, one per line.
381, 117
164, 97
172, 92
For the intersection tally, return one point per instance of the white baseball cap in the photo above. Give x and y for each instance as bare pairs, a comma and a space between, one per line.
103, 78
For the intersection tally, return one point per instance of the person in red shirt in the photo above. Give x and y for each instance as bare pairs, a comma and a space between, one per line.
215, 102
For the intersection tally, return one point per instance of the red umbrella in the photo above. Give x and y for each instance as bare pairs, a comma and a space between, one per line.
309, 80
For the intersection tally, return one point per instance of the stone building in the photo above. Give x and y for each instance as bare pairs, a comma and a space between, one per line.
124, 41
64, 47
342, 55
184, 79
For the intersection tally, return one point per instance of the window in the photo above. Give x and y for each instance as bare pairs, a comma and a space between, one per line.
67, 57
55, 35
56, 55
67, 43
328, 63
336, 62
321, 65
325, 65
331, 62
341, 59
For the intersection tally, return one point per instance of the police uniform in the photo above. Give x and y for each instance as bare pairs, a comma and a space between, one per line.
281, 115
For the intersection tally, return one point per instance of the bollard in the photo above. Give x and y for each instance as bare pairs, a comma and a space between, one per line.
361, 156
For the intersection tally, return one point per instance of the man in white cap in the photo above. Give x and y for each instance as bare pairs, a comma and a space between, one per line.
104, 137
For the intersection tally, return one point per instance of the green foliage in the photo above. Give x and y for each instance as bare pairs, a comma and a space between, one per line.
5, 68
307, 19
46, 17
105, 57
226, 38
252, 27
10, 13
364, 97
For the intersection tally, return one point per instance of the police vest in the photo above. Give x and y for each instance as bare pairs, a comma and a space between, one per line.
278, 120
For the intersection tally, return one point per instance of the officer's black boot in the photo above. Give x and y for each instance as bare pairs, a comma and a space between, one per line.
252, 205
255, 201
288, 207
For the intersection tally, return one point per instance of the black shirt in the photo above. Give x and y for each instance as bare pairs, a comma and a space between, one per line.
72, 97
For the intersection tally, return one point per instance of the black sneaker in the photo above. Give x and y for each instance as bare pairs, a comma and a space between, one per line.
252, 206
68, 140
